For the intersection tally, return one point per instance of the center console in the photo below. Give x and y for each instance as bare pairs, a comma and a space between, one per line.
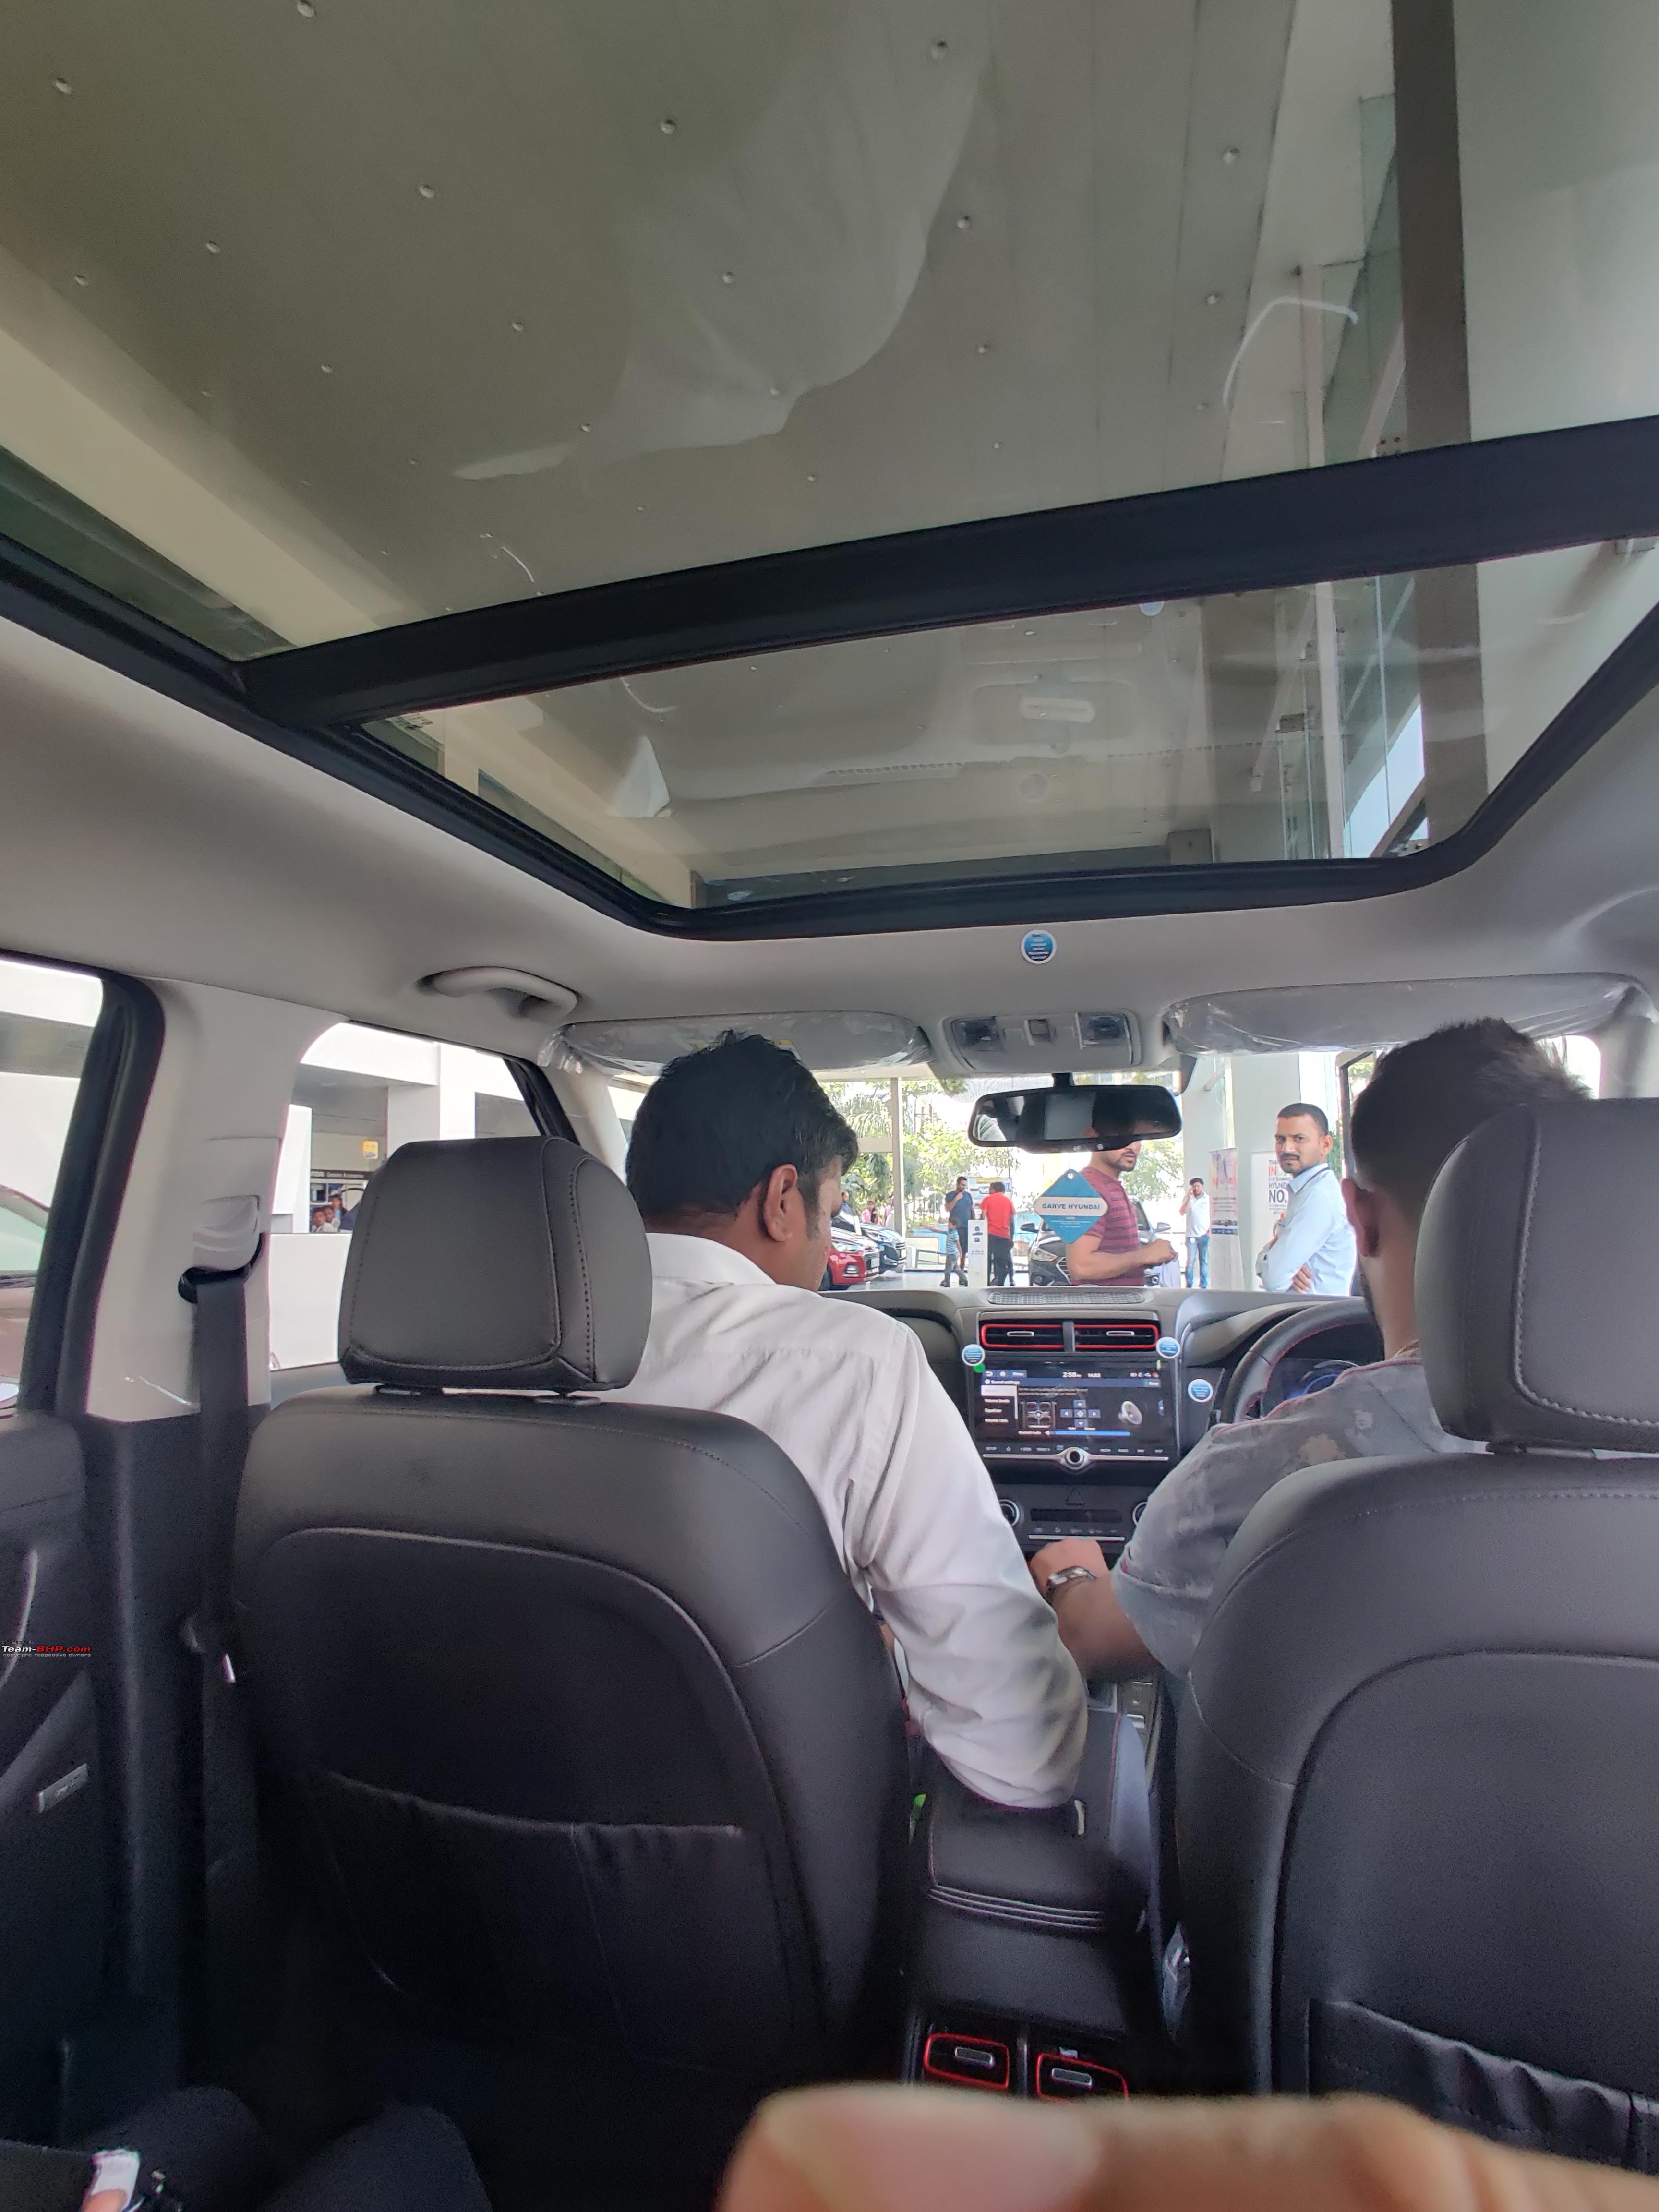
1030, 1967
1076, 1420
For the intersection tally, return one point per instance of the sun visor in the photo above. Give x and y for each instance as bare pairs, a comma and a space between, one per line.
1354, 1017
822, 1040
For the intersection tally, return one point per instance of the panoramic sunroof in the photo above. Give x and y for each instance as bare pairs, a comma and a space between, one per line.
1325, 721
319, 316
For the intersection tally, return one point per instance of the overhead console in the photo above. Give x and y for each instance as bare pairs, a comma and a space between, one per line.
995, 1044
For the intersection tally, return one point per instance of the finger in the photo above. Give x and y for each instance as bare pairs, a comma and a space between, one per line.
920, 2150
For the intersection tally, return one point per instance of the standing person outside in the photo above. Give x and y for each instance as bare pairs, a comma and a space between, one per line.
1111, 1250
997, 1209
1313, 1247
958, 1217
1196, 1212
1167, 1276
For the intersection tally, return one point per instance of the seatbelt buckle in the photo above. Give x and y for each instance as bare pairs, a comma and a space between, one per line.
207, 1639
156, 2195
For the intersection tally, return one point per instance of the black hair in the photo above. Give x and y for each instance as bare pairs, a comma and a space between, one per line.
1191, 1180
716, 1123
1314, 1114
999, 1186
1426, 1097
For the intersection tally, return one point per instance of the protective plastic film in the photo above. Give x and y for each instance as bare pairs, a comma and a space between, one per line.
1354, 1017
822, 1040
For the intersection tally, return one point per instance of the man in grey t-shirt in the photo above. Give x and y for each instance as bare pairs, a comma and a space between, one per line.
1425, 1098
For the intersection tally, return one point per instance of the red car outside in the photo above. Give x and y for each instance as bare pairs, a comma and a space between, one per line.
845, 1268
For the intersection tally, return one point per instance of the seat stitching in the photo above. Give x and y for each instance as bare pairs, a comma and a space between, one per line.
576, 1175
1482, 1190
555, 1314
1446, 1499
1534, 1396
604, 1429
783, 1642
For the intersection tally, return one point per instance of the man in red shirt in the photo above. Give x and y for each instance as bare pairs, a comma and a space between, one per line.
1111, 1250
997, 1209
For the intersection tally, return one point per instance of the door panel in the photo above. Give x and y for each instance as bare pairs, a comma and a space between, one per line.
53, 1880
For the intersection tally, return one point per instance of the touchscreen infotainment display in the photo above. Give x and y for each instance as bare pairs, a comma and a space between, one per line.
1039, 1408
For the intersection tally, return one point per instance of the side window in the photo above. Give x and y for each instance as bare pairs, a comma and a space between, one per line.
360, 1093
47, 1016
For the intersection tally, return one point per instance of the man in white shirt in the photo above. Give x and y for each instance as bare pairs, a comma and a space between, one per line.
1313, 1247
1196, 1212
735, 1163
1425, 1098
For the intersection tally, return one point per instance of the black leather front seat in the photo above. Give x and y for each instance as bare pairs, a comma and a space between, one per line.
596, 1743
1418, 1757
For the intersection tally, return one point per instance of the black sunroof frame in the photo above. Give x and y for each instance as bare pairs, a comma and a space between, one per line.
1444, 507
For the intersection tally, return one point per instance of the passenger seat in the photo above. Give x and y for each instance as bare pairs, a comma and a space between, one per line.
596, 1743
1420, 1748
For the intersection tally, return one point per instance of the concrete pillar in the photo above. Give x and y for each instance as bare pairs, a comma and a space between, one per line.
411, 1114
895, 1128
1428, 161
458, 1092
1559, 173
290, 1204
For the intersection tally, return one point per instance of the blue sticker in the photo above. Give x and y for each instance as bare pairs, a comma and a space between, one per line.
1168, 1347
1201, 1390
972, 1356
1071, 1206
1037, 945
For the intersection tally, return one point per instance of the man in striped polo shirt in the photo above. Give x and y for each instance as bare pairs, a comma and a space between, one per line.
1111, 1250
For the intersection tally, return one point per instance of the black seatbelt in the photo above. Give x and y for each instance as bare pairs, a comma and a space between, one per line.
225, 1844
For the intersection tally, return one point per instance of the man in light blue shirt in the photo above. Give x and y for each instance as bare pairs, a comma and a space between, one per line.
1313, 1247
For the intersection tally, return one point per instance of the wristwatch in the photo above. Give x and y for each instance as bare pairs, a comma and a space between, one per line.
1062, 1576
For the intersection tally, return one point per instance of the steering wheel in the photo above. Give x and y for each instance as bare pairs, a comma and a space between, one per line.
1250, 1379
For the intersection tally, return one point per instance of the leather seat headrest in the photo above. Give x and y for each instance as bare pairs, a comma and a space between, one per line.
1535, 1279
498, 1263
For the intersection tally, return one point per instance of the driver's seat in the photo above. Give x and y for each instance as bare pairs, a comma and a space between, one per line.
1419, 1755
597, 1746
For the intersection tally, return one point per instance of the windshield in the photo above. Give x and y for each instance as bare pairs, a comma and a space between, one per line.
316, 318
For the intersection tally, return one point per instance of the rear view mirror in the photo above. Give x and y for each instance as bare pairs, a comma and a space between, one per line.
1072, 1119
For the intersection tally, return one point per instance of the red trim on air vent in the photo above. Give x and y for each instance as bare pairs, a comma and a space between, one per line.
977, 2062
1114, 1335
1023, 1335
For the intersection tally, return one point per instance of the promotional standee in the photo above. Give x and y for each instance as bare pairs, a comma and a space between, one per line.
978, 1255
1270, 1200
1226, 1264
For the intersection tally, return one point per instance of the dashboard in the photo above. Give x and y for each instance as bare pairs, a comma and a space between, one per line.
1080, 1402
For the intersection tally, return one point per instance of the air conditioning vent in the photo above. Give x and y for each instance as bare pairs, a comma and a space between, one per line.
1023, 1335
1114, 1335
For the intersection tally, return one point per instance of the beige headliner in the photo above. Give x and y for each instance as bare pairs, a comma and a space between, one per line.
141, 836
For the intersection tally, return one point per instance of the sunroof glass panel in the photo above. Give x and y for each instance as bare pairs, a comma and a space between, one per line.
1345, 720
316, 318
